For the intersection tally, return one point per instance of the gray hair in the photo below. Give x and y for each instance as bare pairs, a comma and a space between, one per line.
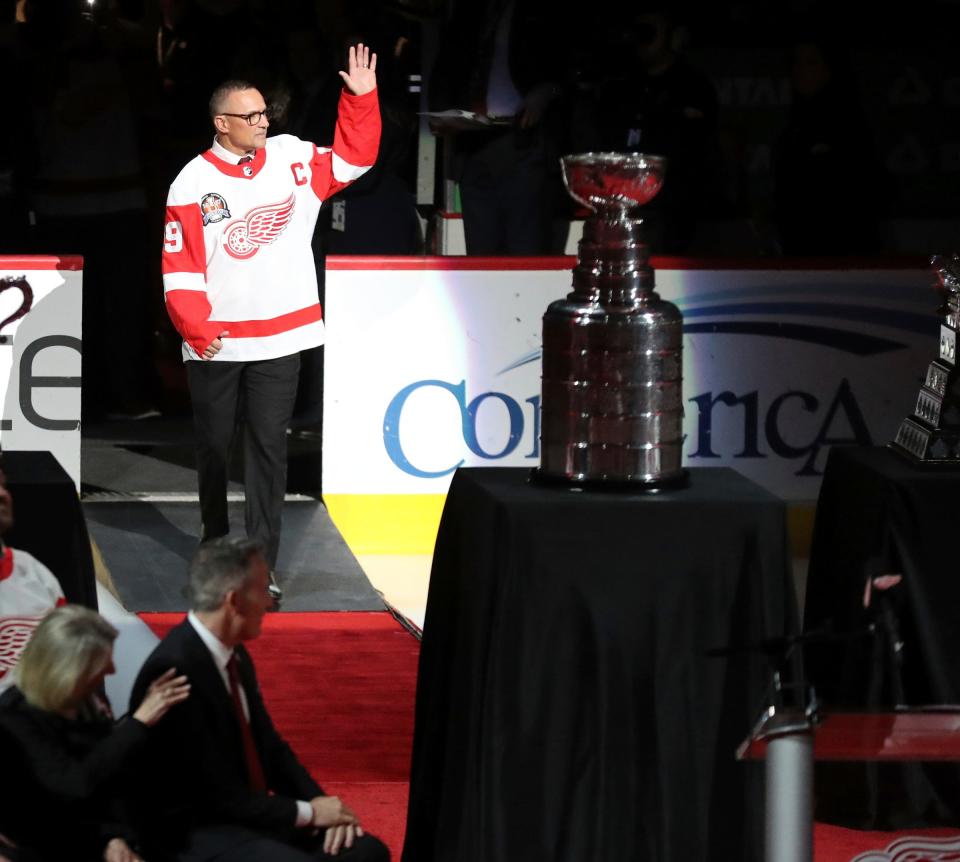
221, 93
71, 645
218, 567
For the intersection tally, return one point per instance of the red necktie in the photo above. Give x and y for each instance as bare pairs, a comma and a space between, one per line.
255, 775
245, 159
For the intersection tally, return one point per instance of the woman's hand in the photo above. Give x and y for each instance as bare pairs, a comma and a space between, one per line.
361, 74
165, 691
119, 851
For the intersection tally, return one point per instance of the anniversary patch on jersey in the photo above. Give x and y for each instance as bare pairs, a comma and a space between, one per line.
214, 208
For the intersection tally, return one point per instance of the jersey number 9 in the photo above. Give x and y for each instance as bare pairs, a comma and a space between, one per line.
172, 237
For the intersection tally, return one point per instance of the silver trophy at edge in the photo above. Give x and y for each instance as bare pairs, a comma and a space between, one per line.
611, 401
931, 434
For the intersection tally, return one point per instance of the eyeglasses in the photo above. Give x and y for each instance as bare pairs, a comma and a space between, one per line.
252, 118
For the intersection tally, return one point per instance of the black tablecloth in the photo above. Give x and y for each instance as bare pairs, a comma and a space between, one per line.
566, 709
49, 523
880, 514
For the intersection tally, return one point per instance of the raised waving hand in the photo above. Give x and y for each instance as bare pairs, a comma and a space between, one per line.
361, 74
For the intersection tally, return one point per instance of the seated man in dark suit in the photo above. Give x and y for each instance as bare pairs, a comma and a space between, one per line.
223, 783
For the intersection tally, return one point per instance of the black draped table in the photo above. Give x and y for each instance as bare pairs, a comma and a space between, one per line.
566, 707
880, 514
49, 522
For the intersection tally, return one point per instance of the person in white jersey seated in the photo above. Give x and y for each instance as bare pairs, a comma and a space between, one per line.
28, 592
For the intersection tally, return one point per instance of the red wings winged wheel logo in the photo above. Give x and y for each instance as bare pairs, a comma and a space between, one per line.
915, 848
14, 634
260, 226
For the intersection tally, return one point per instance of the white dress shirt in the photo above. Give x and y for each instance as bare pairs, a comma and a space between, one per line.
221, 152
221, 655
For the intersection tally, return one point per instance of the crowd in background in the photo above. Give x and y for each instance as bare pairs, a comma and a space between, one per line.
115, 103
108, 99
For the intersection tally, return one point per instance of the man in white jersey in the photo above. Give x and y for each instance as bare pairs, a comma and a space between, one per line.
28, 592
241, 287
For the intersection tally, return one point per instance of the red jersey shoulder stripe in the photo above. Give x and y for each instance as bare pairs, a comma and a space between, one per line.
183, 246
356, 142
356, 138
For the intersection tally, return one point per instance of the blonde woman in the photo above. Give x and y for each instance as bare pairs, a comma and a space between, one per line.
73, 758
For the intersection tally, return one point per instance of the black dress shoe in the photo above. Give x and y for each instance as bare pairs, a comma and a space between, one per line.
273, 588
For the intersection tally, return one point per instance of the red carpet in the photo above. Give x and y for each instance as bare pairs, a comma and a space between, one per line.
340, 688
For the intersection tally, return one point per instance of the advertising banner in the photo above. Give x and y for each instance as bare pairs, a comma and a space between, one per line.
435, 364
40, 357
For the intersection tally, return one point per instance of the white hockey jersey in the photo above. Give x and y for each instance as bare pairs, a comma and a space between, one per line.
28, 592
237, 240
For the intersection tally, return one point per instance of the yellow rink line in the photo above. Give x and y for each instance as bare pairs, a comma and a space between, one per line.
386, 523
407, 523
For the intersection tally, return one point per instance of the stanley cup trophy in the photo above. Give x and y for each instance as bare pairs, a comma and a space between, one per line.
932, 433
611, 407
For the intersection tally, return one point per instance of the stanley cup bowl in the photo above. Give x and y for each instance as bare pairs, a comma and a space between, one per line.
613, 181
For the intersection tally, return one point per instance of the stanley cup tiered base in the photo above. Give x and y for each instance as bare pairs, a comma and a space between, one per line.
612, 407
